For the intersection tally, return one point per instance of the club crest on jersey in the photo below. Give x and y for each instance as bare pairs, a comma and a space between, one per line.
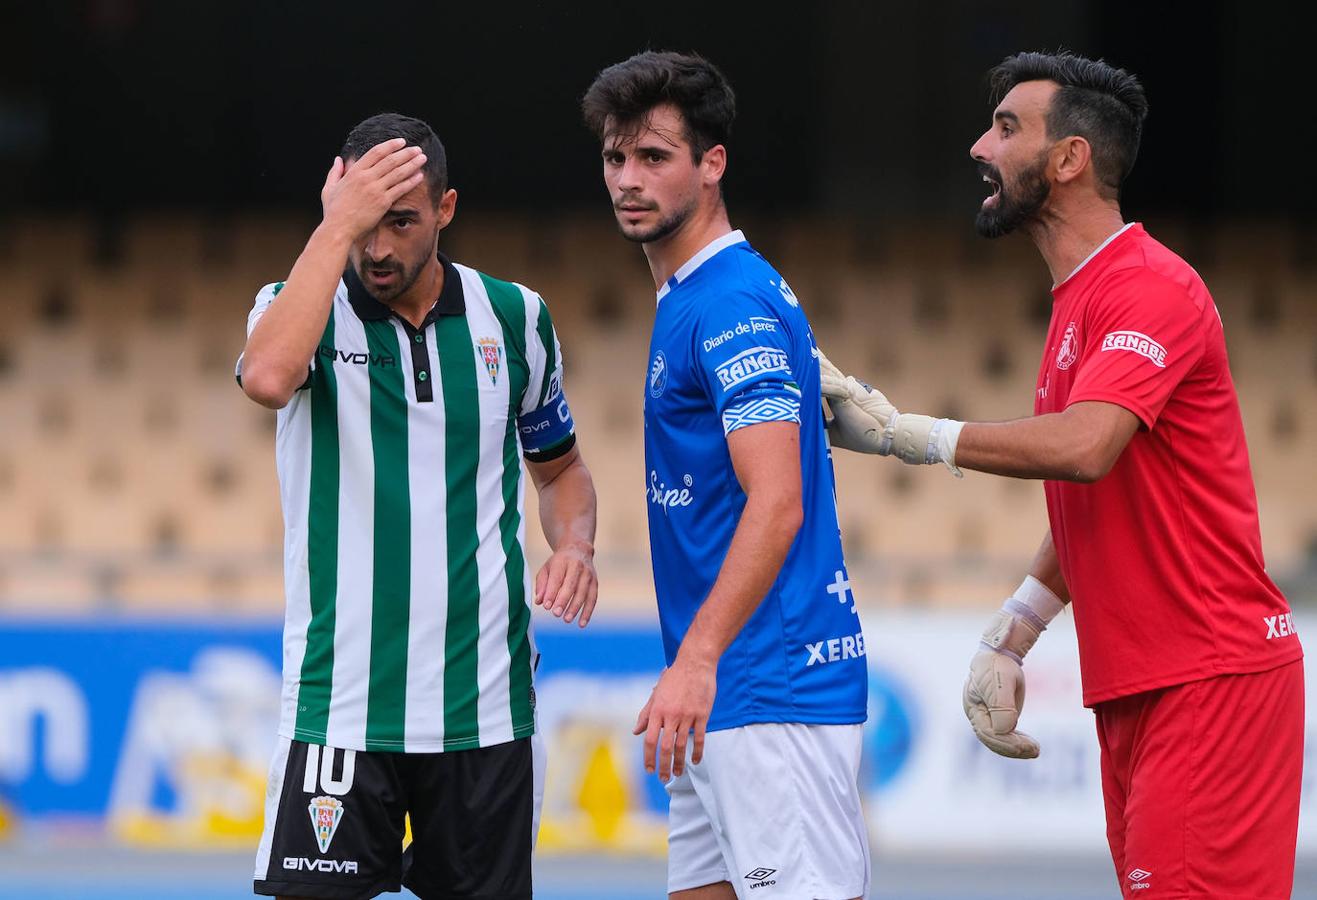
658, 375
326, 813
1069, 352
490, 354
785, 290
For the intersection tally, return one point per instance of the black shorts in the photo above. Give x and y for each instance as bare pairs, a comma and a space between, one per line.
337, 830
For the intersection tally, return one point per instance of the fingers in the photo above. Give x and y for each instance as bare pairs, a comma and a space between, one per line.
380, 151
568, 588
396, 166
587, 608
1013, 744
993, 697
642, 720
667, 743
679, 749
832, 382
540, 577
697, 752
410, 172
585, 592
551, 576
335, 174
651, 739
1004, 693
391, 165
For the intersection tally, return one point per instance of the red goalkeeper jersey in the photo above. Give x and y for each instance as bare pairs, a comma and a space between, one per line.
1162, 557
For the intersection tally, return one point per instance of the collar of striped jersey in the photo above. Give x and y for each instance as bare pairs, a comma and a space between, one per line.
451, 302
708, 252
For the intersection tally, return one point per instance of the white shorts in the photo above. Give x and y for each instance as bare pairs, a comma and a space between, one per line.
773, 808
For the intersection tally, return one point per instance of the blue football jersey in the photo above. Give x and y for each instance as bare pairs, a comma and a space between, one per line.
731, 348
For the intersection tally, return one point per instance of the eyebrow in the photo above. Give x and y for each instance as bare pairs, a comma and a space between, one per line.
402, 212
645, 149
1005, 114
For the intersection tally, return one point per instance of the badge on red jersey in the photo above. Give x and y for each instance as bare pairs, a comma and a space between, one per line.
1069, 352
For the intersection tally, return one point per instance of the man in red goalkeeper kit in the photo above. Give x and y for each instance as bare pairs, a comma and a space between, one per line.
1187, 650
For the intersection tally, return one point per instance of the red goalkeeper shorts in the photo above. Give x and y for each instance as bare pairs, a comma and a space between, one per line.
1201, 782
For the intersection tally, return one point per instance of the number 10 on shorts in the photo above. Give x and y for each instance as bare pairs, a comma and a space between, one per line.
320, 769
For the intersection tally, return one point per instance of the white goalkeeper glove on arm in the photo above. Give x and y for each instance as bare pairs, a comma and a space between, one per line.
865, 421
994, 690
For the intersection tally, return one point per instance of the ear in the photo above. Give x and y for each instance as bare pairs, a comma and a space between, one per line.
1071, 158
447, 208
713, 164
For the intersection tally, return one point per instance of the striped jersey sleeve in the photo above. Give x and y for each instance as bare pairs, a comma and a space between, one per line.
545, 423
264, 297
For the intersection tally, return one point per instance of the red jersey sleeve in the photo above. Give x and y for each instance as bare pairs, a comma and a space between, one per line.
1144, 334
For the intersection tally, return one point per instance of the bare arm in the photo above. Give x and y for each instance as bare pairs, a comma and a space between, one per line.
993, 697
766, 458
1046, 567
280, 347
1080, 444
567, 583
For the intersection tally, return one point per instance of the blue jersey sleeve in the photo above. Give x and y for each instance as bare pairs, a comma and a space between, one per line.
743, 354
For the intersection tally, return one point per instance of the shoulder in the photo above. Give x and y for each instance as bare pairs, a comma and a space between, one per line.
269, 292
504, 295
1135, 284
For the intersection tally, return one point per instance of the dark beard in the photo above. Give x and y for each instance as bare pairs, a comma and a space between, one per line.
407, 278
1011, 211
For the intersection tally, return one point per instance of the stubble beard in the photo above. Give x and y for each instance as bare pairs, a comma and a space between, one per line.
664, 227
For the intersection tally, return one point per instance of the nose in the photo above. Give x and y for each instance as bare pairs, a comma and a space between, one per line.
628, 179
979, 151
377, 247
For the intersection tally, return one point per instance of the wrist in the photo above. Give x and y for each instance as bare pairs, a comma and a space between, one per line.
697, 653
922, 440
334, 236
581, 545
1016, 627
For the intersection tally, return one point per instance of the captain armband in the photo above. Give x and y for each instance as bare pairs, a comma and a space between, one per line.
548, 432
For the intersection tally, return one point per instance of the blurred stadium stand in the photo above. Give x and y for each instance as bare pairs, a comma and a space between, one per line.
135, 476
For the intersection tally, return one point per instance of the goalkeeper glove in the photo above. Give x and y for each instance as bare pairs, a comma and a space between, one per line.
994, 690
865, 421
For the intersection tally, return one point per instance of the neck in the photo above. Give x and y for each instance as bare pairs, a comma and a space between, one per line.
414, 304
1065, 235
668, 254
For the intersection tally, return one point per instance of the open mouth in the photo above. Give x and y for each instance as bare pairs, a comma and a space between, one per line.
991, 199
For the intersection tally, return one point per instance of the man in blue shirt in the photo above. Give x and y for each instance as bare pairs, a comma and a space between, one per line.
764, 648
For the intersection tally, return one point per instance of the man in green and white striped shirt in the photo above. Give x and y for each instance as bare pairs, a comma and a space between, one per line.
409, 388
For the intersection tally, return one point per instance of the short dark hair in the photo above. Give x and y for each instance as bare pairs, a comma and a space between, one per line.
627, 91
1098, 102
386, 126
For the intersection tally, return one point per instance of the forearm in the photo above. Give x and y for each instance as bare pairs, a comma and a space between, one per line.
275, 359
1046, 567
568, 508
1039, 447
764, 535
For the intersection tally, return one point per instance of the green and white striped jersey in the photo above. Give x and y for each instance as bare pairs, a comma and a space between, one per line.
408, 617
